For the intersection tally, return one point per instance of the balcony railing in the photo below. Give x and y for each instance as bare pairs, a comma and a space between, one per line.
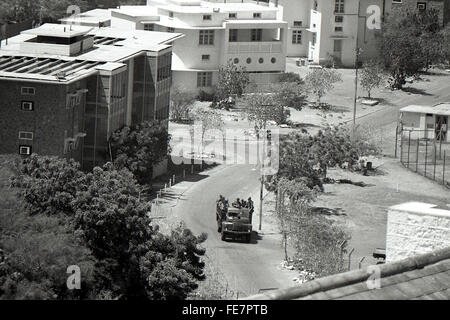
255, 47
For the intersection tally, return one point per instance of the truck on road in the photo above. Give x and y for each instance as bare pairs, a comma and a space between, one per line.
235, 222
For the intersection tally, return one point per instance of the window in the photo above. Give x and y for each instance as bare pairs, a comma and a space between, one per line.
298, 23
27, 106
149, 27
232, 15
204, 79
256, 34
27, 90
397, 1
421, 5
257, 15
25, 150
339, 6
296, 37
260, 60
170, 14
206, 17
314, 39
205, 57
249, 60
338, 29
236, 60
339, 19
25, 135
273, 60
233, 36
206, 37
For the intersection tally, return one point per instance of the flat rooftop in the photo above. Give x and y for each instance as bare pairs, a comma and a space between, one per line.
58, 30
92, 16
111, 47
441, 109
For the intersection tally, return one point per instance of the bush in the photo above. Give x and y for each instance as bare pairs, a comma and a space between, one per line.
205, 96
320, 244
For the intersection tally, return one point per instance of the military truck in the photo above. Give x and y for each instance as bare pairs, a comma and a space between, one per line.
234, 222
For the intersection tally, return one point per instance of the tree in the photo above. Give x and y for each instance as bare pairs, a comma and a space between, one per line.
38, 10
208, 119
262, 108
410, 41
306, 158
232, 81
288, 95
371, 76
140, 148
181, 103
107, 214
320, 81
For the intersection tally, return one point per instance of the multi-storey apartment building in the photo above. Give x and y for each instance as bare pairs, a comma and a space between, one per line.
65, 89
251, 35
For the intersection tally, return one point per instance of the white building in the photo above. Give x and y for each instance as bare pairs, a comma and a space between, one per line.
251, 35
327, 30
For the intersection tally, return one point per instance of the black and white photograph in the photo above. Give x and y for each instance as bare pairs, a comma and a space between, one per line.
221, 157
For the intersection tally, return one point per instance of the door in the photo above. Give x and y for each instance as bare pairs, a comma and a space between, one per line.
337, 51
441, 127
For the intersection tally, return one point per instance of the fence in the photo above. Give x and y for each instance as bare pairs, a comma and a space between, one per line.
428, 157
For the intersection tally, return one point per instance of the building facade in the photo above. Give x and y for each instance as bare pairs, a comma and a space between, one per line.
65, 89
251, 35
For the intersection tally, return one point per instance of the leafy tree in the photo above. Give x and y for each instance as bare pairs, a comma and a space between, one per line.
38, 10
140, 147
132, 260
208, 119
181, 103
232, 81
288, 95
410, 41
296, 162
306, 158
320, 81
262, 108
371, 76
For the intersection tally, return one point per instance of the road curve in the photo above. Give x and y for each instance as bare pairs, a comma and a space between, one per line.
248, 267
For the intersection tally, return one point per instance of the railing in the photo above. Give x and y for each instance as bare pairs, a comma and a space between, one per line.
255, 47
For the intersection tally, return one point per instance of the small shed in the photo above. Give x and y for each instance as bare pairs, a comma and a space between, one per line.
426, 122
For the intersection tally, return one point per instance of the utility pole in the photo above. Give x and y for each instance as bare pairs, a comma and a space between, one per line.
356, 67
261, 193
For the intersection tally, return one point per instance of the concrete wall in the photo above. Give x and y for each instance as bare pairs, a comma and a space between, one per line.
414, 228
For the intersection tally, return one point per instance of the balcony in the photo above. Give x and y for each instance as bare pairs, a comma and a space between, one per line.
255, 47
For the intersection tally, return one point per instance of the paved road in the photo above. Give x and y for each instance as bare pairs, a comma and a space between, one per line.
251, 267
436, 94
248, 267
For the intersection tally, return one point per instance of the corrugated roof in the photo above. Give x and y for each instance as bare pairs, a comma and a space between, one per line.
425, 276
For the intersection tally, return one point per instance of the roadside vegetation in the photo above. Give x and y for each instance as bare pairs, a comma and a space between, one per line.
56, 215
